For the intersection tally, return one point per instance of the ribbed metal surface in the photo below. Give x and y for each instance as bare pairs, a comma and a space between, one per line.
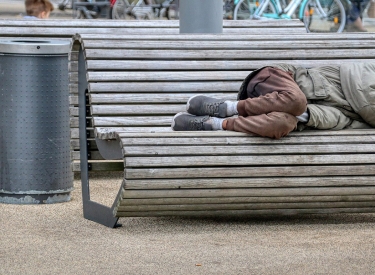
34, 129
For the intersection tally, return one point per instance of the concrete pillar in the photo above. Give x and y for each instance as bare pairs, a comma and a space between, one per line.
201, 16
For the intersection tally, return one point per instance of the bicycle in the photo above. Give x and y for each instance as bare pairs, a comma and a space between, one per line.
86, 9
144, 9
89, 9
317, 15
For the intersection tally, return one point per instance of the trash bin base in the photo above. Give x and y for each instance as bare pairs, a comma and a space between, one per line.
35, 198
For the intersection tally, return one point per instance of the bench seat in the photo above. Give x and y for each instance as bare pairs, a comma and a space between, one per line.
130, 87
173, 173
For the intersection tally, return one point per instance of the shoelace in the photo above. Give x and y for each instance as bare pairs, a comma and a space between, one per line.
212, 108
196, 124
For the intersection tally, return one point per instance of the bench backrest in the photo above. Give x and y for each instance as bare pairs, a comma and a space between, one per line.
68, 28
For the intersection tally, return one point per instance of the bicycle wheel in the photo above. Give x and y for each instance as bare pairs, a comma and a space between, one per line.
245, 9
324, 16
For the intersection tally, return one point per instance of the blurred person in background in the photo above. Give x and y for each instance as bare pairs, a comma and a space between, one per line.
38, 9
354, 21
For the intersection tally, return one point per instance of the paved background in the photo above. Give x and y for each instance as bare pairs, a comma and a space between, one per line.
16, 9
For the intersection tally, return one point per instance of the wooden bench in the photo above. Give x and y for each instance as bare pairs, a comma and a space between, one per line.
130, 88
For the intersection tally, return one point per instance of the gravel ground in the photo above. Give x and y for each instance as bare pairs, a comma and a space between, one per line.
15, 9
56, 239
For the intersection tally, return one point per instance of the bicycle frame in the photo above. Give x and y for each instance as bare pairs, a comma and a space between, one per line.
289, 10
329, 15
281, 13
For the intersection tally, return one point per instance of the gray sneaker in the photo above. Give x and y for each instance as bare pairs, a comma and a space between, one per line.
187, 122
201, 105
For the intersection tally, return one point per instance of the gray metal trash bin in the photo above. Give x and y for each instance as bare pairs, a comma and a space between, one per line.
34, 122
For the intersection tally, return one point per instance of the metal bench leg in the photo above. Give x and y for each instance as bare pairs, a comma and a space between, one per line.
91, 210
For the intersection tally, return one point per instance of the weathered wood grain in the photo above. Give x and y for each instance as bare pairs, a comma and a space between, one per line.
250, 199
246, 213
246, 160
69, 31
233, 45
247, 206
249, 192
166, 87
239, 150
282, 37
271, 55
105, 23
230, 182
167, 76
248, 172
199, 65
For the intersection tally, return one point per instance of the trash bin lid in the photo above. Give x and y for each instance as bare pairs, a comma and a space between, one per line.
37, 46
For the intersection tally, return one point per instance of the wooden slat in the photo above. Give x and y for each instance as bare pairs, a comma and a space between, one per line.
282, 37
164, 135
246, 160
72, 30
74, 132
233, 45
167, 76
249, 192
116, 110
166, 86
111, 132
160, 98
269, 182
256, 213
132, 121
221, 139
105, 23
233, 54
239, 150
247, 206
250, 199
309, 133
168, 65
249, 172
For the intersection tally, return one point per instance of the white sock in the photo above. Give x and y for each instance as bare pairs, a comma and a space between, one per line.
217, 123
231, 108
303, 118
